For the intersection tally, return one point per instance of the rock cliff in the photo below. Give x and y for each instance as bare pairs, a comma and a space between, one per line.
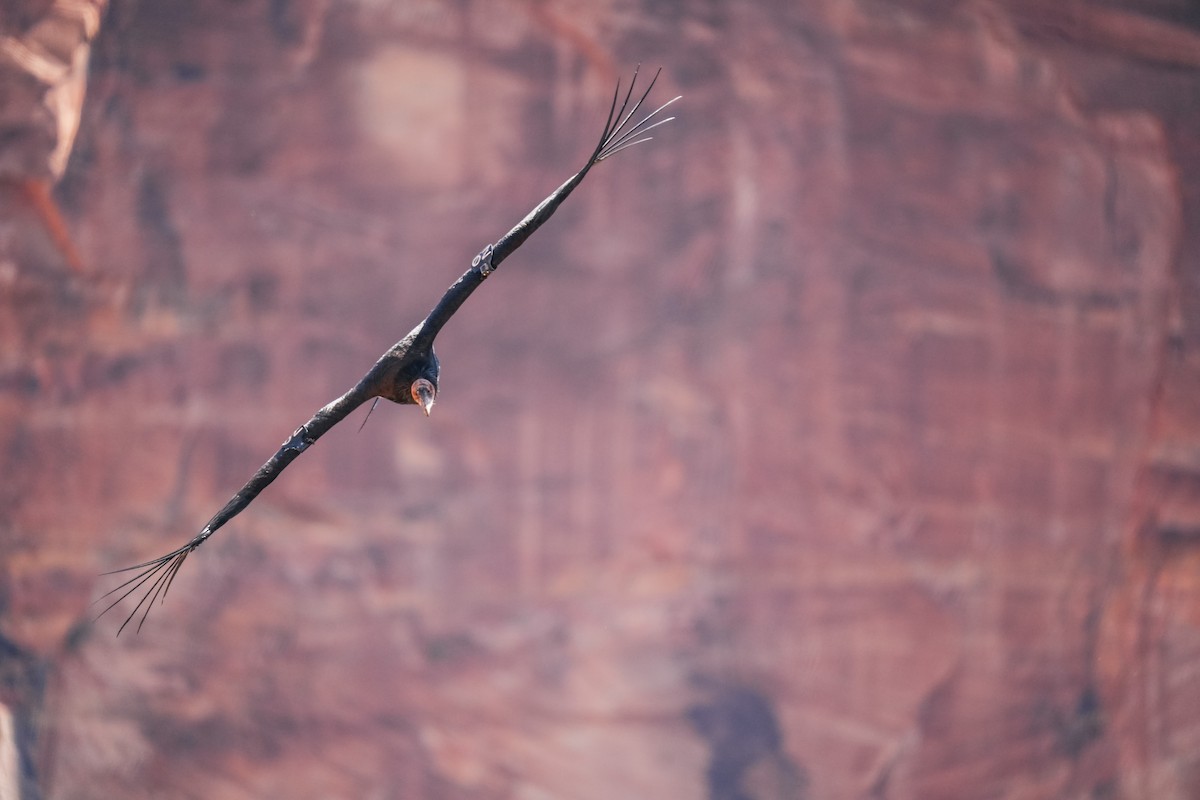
842, 442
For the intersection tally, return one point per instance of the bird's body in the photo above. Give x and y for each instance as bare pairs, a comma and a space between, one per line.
407, 373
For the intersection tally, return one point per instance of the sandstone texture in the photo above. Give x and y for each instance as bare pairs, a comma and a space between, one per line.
842, 443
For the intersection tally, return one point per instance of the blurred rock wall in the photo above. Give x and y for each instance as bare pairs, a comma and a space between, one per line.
842, 442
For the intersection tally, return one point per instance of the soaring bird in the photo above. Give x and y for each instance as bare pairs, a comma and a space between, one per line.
407, 373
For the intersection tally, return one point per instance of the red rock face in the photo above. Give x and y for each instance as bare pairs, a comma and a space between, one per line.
842, 442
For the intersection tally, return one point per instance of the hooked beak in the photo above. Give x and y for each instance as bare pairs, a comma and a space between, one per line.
424, 393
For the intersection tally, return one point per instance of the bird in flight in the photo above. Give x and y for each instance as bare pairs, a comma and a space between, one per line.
407, 373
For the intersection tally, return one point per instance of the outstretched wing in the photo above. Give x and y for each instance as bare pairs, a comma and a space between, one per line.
618, 134
157, 574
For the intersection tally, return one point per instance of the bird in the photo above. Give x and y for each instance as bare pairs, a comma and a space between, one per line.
407, 373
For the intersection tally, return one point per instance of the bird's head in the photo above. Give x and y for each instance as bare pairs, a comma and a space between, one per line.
419, 383
424, 392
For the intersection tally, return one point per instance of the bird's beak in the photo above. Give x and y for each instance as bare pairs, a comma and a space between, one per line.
424, 393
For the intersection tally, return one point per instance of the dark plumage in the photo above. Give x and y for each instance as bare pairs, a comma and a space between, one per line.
406, 373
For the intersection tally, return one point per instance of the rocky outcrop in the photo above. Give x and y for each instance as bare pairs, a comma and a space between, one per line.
839, 443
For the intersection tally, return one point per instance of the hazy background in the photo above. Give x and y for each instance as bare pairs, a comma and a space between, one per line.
842, 442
